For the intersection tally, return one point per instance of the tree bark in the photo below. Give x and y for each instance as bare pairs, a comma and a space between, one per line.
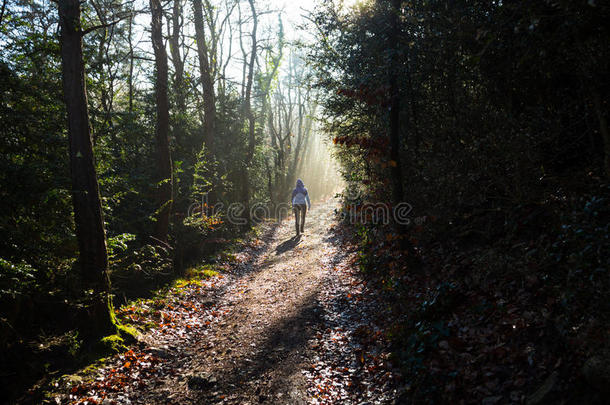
130, 76
306, 143
88, 215
164, 162
207, 81
266, 112
177, 60
302, 135
250, 116
209, 97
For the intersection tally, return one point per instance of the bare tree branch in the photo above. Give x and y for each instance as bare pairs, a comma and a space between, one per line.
99, 26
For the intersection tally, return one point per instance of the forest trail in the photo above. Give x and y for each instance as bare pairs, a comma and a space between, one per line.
292, 325
256, 353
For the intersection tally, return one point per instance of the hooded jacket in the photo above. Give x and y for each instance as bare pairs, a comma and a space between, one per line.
300, 194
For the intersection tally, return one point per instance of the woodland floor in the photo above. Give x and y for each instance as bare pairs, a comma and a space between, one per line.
288, 321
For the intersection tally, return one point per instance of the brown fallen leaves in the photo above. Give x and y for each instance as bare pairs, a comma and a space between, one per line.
351, 363
136, 370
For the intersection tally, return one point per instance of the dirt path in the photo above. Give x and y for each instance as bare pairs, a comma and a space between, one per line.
290, 326
256, 353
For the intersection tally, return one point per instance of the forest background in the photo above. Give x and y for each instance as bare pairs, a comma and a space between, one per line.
489, 118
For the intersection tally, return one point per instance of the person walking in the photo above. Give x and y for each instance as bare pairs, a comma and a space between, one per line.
299, 197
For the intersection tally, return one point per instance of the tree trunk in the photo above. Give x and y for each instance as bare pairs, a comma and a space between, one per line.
250, 117
209, 96
130, 76
178, 88
88, 216
303, 131
177, 60
207, 81
307, 141
164, 162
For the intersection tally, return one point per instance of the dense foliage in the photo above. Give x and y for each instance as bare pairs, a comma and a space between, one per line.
246, 79
502, 151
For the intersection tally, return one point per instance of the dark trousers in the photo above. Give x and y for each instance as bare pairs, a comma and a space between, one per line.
299, 216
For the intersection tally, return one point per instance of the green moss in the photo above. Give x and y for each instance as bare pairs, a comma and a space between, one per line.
202, 271
210, 273
117, 343
113, 343
181, 283
206, 266
128, 333
84, 375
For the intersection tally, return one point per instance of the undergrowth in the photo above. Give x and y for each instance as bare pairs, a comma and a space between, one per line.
58, 360
509, 303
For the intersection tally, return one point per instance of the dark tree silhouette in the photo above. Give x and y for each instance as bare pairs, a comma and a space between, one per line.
164, 162
88, 217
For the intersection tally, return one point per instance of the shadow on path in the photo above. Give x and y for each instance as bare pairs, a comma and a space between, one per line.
264, 375
288, 245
